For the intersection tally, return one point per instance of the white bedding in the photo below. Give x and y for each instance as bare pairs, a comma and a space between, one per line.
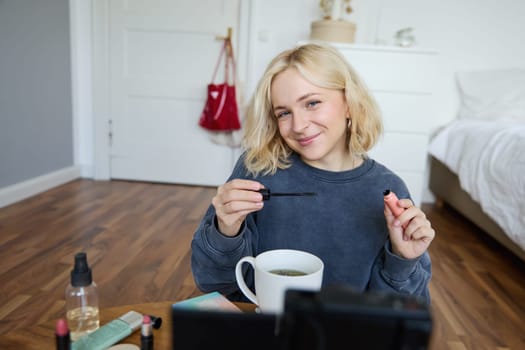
489, 159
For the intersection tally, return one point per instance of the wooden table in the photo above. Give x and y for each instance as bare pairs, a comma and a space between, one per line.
42, 336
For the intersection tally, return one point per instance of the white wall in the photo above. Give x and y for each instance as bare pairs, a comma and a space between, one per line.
468, 34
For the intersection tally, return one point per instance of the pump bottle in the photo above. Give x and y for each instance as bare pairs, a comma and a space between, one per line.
82, 299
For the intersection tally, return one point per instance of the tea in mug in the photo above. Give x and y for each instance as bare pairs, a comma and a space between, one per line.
288, 272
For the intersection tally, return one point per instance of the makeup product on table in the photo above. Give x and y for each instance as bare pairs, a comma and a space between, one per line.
391, 199
109, 334
82, 299
124, 347
146, 334
63, 341
267, 194
156, 322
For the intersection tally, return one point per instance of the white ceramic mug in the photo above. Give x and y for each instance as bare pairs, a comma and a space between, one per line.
275, 272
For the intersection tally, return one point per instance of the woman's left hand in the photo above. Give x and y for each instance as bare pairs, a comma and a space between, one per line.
412, 241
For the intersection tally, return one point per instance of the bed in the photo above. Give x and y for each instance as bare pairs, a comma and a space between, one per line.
478, 160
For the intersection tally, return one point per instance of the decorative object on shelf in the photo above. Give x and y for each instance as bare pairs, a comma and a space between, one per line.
333, 27
405, 37
333, 9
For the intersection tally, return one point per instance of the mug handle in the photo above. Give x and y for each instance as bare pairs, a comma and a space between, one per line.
240, 278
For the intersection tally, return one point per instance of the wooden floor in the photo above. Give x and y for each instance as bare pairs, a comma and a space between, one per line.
137, 238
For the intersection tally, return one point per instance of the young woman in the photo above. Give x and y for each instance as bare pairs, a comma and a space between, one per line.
309, 126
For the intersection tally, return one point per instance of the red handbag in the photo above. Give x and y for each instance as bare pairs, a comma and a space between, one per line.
220, 112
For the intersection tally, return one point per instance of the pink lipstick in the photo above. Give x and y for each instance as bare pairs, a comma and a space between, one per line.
146, 334
63, 340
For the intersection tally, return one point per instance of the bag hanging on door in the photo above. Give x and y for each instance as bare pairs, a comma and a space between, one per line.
220, 112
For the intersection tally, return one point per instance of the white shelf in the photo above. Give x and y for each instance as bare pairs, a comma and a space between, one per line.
377, 48
403, 81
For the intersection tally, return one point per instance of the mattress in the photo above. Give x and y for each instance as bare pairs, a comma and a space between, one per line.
489, 159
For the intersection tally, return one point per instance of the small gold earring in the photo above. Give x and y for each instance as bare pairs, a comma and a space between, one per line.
349, 123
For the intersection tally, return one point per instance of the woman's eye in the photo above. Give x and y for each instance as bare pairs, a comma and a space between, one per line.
312, 104
282, 114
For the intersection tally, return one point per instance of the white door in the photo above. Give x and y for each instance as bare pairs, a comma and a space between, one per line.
162, 54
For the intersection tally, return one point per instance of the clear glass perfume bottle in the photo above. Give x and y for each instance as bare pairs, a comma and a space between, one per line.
82, 299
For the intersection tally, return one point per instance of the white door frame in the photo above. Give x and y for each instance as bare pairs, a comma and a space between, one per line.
80, 27
100, 74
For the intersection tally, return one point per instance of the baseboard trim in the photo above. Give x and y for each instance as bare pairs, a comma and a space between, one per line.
23, 190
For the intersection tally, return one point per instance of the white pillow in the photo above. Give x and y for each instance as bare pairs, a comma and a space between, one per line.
492, 94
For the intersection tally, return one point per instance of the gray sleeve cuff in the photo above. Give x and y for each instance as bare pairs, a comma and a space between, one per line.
224, 243
397, 268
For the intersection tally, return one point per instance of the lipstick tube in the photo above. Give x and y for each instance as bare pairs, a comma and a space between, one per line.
146, 334
156, 322
62, 336
391, 199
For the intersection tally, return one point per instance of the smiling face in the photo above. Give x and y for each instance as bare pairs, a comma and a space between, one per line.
312, 120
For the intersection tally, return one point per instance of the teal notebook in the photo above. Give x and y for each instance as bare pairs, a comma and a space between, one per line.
210, 301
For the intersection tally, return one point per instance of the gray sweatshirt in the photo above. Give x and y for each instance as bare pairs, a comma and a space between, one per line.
344, 225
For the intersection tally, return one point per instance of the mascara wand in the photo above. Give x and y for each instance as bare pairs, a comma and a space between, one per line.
267, 194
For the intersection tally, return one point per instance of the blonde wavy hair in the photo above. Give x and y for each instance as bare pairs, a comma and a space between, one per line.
323, 66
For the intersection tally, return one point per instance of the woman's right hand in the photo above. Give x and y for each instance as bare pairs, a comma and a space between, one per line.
234, 201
